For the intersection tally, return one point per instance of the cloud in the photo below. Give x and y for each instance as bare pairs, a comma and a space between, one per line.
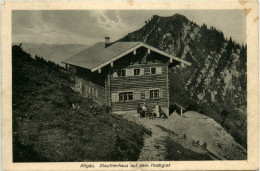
110, 21
35, 24
60, 26
31, 27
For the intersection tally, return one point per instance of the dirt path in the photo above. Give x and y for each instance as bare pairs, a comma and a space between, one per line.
194, 127
154, 146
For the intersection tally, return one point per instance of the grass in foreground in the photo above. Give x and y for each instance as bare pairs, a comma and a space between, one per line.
176, 152
46, 128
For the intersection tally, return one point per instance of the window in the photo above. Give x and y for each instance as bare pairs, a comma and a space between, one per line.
121, 96
125, 96
136, 71
130, 96
121, 73
78, 84
153, 70
85, 89
154, 94
96, 93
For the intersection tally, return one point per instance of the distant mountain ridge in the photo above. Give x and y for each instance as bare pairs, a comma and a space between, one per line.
53, 52
215, 84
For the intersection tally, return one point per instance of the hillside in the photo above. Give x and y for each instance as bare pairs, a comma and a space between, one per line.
192, 136
215, 84
47, 126
53, 52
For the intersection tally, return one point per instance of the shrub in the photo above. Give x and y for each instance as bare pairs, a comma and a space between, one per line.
204, 145
193, 142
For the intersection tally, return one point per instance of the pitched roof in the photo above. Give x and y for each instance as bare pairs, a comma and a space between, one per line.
97, 56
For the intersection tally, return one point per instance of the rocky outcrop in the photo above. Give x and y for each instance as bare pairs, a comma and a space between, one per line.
215, 84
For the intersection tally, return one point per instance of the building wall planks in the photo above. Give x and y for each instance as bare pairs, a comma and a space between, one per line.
141, 86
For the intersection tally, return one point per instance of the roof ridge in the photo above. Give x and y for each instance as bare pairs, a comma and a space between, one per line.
97, 55
121, 52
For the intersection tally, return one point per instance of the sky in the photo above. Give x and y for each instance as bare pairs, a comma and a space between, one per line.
91, 26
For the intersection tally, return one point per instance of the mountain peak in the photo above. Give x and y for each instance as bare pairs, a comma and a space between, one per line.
178, 15
150, 31
175, 18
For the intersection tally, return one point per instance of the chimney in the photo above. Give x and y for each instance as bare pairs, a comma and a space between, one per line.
107, 41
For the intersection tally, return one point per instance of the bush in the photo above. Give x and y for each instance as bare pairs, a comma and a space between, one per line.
204, 145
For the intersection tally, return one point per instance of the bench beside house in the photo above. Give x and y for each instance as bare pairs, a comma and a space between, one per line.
123, 74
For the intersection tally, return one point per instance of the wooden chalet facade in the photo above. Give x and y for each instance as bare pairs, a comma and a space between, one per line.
124, 74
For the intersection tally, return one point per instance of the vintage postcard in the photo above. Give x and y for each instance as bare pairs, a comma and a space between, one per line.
130, 85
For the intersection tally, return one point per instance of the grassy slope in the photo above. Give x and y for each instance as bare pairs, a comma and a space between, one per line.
177, 152
46, 128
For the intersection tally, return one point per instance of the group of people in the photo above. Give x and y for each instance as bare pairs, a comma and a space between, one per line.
144, 111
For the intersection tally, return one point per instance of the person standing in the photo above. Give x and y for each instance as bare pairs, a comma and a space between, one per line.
144, 110
157, 110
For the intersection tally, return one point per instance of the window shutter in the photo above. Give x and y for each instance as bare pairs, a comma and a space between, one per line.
83, 89
158, 70
141, 71
132, 72
89, 90
147, 94
137, 95
115, 73
80, 83
160, 93
129, 72
115, 97
93, 92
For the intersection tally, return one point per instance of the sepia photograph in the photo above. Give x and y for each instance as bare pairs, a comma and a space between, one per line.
130, 88
129, 85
